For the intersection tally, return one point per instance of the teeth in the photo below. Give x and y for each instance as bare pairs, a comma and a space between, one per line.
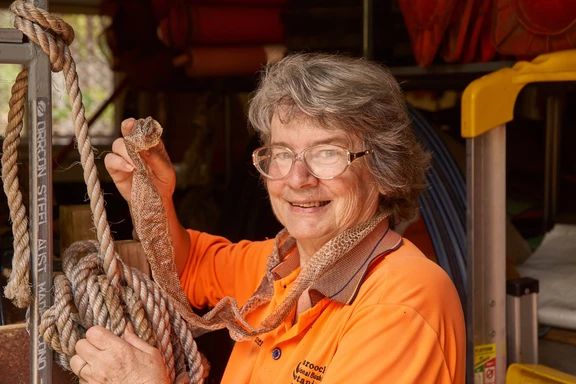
310, 205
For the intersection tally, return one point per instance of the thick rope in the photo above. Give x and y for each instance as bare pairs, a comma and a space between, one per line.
98, 288
18, 287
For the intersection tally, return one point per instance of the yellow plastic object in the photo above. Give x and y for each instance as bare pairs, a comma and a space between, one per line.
488, 102
536, 374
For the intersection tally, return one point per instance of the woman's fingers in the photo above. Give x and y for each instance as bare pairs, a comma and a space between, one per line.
121, 173
76, 362
206, 365
111, 359
119, 149
127, 125
101, 338
131, 338
162, 169
120, 167
80, 367
86, 350
117, 163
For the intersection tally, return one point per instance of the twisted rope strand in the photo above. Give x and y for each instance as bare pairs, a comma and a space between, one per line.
18, 287
100, 289
92, 290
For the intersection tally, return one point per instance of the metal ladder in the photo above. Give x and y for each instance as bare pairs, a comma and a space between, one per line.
14, 49
487, 105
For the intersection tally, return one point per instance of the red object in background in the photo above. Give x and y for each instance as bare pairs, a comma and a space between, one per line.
465, 40
161, 8
527, 28
187, 25
457, 32
230, 61
426, 21
480, 47
417, 233
486, 51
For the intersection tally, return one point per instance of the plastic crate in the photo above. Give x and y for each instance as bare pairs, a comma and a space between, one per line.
536, 374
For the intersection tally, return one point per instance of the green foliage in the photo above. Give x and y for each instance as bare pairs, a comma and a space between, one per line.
96, 79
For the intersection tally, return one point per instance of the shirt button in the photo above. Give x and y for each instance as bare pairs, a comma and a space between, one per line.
276, 353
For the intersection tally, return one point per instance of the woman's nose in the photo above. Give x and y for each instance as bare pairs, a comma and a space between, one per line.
300, 176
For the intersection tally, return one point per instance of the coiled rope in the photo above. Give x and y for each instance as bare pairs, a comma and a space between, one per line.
98, 289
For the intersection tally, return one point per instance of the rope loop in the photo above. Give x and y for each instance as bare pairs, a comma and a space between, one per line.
50, 32
84, 297
96, 288
49, 22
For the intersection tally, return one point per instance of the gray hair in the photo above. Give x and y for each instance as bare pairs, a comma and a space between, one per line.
359, 97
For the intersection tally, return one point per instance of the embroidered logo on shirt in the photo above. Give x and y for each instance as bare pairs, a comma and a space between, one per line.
308, 373
258, 341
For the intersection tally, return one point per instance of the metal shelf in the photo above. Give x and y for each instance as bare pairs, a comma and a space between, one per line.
449, 76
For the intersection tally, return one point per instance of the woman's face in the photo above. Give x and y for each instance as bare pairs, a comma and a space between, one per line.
316, 210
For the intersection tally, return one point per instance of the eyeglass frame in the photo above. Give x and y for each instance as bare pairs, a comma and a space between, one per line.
298, 156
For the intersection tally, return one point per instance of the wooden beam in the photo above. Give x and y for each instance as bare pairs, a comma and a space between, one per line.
15, 358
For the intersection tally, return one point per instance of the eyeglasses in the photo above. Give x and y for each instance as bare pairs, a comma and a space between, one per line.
323, 161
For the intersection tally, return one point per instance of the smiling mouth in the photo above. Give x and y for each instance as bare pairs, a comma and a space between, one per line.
311, 204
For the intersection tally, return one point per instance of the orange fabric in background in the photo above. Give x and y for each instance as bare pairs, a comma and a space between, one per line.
418, 234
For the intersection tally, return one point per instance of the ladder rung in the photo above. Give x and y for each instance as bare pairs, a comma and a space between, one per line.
11, 35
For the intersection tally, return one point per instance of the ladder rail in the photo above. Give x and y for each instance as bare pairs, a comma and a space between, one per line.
41, 229
39, 123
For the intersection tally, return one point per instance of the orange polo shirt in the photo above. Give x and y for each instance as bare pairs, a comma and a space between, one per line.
383, 313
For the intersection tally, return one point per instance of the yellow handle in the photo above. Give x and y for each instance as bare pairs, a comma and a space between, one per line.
488, 102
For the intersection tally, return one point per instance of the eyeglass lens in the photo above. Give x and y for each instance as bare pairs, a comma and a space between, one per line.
323, 161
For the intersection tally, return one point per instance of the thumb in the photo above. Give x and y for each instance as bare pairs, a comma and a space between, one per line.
161, 168
156, 156
131, 338
127, 125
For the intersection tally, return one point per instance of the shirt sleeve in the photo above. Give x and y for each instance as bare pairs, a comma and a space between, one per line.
217, 268
389, 343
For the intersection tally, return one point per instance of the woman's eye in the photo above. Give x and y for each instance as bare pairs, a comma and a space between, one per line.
328, 153
283, 156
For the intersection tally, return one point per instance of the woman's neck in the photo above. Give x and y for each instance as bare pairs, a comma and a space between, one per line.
304, 253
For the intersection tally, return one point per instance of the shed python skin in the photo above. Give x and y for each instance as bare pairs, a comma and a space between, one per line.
150, 217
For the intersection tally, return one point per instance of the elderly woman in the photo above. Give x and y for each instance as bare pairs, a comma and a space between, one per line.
342, 168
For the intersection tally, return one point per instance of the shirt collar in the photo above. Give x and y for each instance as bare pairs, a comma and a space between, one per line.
342, 281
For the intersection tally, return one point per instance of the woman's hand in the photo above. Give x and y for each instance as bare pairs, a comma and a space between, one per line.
121, 167
103, 357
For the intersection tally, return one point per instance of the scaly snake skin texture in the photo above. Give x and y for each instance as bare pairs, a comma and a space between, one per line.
151, 224
149, 215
